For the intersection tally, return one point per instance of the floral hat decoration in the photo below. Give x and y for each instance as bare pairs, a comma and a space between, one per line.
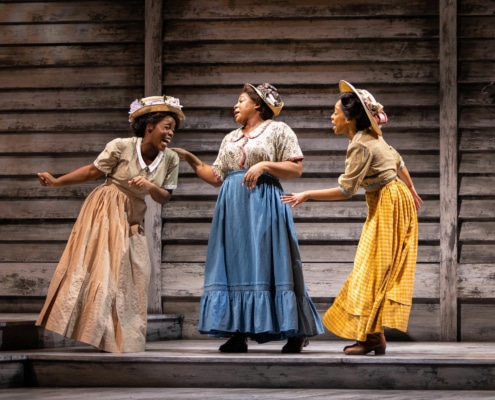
154, 104
373, 109
270, 96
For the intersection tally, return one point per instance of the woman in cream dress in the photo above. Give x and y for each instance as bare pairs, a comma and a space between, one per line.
98, 294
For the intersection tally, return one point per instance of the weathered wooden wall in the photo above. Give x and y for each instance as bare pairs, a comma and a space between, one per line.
476, 177
390, 47
69, 70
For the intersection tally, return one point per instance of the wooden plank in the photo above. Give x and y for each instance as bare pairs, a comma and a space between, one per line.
476, 186
81, 77
480, 117
234, 30
477, 253
307, 232
315, 141
473, 49
59, 144
292, 51
98, 54
470, 139
477, 209
31, 252
323, 280
475, 326
196, 9
172, 393
74, 11
479, 231
308, 211
82, 32
303, 74
476, 7
152, 87
427, 253
116, 121
35, 232
448, 170
25, 279
40, 209
420, 95
476, 281
476, 163
70, 99
475, 71
476, 26
29, 188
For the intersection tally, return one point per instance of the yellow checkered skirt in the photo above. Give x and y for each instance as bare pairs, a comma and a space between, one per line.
378, 292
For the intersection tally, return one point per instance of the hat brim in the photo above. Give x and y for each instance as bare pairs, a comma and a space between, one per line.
157, 108
346, 87
276, 110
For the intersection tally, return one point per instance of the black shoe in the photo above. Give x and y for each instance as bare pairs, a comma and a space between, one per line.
295, 344
236, 344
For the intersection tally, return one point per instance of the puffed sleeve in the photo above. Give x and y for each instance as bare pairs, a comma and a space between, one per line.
287, 145
172, 176
221, 164
357, 163
398, 158
110, 156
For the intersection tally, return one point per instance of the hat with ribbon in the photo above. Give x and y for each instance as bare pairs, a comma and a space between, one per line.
373, 109
151, 104
270, 97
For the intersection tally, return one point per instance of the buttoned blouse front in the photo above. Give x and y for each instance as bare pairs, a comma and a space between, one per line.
270, 141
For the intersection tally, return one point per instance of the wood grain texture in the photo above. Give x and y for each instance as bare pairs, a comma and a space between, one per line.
70, 70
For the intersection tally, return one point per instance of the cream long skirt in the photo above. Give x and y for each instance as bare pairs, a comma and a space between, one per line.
98, 294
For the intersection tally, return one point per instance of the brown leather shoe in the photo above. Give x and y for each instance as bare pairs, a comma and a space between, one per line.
295, 344
374, 342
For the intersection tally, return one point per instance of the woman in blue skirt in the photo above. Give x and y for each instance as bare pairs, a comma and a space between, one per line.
254, 286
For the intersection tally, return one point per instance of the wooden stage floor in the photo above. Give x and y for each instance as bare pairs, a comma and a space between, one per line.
236, 394
194, 369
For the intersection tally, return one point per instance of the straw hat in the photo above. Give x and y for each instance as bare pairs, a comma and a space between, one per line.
155, 104
373, 109
269, 95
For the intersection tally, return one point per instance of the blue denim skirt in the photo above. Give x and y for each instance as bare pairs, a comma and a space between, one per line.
253, 273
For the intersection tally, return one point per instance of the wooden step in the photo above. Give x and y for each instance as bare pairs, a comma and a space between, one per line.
239, 394
18, 332
321, 365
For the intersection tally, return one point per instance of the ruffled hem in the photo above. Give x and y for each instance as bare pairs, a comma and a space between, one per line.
261, 315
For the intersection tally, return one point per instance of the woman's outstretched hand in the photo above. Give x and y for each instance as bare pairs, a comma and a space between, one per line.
46, 179
294, 199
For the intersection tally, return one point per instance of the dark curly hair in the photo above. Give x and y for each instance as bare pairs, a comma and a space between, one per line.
354, 109
140, 123
265, 111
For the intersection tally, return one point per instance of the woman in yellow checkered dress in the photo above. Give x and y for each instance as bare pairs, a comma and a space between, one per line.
378, 291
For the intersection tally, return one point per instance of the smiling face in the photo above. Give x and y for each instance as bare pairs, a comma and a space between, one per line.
159, 135
244, 109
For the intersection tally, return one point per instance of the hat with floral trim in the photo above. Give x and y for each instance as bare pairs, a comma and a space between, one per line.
269, 95
373, 109
155, 104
